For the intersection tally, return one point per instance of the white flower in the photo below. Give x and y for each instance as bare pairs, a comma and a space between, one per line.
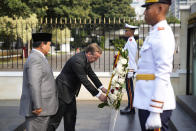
119, 68
116, 92
112, 97
109, 101
119, 65
115, 78
123, 50
123, 73
121, 80
117, 85
119, 61
123, 61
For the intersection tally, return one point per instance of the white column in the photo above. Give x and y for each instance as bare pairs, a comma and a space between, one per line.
184, 11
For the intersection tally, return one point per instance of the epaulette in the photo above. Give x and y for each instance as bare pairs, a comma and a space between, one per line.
161, 28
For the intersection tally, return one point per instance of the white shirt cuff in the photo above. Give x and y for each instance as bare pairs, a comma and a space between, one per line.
98, 95
101, 87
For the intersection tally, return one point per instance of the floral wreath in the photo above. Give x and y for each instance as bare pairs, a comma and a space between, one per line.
117, 81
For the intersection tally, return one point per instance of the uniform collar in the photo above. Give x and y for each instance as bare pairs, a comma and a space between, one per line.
159, 24
130, 38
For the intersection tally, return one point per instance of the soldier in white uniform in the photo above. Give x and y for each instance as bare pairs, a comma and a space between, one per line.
131, 46
154, 96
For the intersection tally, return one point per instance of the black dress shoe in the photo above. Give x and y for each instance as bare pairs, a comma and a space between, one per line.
132, 111
126, 110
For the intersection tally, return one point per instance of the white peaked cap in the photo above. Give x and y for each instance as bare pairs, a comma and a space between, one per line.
130, 26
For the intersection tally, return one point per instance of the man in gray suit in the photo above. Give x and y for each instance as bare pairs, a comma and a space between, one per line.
39, 95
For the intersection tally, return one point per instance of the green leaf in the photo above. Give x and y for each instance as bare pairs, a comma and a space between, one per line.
118, 105
103, 105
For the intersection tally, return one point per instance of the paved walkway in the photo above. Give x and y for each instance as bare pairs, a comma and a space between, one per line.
9, 115
128, 122
89, 118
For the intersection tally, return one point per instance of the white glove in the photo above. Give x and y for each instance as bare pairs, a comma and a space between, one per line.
153, 121
135, 74
129, 74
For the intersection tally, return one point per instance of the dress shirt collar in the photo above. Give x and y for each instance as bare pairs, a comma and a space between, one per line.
38, 52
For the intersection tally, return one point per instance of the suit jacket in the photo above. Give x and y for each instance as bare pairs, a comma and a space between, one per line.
74, 74
39, 88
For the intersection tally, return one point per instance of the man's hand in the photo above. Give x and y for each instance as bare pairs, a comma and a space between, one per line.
129, 74
153, 121
104, 90
102, 98
37, 111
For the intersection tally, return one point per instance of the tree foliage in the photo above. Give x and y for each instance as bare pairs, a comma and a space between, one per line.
140, 42
14, 8
172, 19
18, 11
67, 8
14, 29
112, 8
119, 43
60, 36
39, 7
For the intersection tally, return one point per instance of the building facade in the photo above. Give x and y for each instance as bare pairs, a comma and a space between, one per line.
177, 4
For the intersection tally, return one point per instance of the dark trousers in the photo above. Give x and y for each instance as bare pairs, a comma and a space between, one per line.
130, 92
68, 112
165, 117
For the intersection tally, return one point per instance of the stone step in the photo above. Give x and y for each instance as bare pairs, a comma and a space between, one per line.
183, 116
188, 103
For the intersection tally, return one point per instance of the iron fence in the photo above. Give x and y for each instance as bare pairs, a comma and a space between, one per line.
69, 37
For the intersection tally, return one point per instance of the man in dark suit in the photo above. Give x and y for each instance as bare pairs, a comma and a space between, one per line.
69, 81
39, 94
